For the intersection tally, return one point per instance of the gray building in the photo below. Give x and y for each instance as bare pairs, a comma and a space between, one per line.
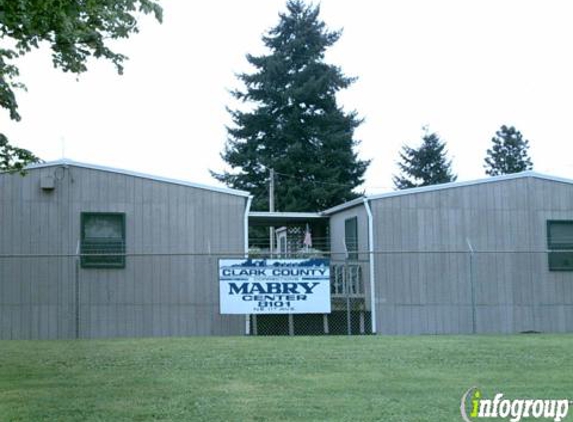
149, 250
488, 256
88, 251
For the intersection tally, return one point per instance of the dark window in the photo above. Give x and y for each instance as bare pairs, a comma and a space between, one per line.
102, 234
560, 245
351, 237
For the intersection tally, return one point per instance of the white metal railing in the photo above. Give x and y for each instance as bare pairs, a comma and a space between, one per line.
346, 279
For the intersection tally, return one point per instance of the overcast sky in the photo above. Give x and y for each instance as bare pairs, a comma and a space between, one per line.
462, 67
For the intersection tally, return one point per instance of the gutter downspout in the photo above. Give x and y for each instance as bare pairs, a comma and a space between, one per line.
246, 251
77, 291
371, 259
472, 285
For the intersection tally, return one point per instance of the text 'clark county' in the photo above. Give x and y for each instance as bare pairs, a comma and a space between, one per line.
275, 272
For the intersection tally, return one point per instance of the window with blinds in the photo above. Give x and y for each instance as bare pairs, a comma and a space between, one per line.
560, 245
102, 240
351, 237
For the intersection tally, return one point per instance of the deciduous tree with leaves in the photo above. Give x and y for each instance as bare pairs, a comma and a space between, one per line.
74, 30
426, 165
293, 123
509, 153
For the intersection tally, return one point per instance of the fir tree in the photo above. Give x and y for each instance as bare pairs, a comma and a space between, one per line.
426, 165
509, 153
294, 124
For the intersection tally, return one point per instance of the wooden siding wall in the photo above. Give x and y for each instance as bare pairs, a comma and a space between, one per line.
170, 291
423, 264
337, 232
337, 228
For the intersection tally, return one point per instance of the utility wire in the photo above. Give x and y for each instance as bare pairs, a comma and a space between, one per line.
303, 179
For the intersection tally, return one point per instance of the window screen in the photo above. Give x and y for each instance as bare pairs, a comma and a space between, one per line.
351, 237
103, 240
559, 239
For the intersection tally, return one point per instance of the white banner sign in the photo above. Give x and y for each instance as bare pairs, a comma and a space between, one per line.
274, 286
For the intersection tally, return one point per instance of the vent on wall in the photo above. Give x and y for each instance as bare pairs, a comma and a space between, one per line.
47, 183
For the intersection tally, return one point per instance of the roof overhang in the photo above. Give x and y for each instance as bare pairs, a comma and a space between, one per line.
266, 218
354, 203
444, 186
71, 163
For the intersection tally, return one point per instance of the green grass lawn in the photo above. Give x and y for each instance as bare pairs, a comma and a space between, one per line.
275, 379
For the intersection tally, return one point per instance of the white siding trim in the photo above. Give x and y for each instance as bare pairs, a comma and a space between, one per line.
372, 268
246, 247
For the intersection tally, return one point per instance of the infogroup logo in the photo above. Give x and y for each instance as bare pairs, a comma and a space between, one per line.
474, 406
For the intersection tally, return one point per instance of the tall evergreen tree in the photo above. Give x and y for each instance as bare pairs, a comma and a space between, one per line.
294, 124
425, 165
509, 153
